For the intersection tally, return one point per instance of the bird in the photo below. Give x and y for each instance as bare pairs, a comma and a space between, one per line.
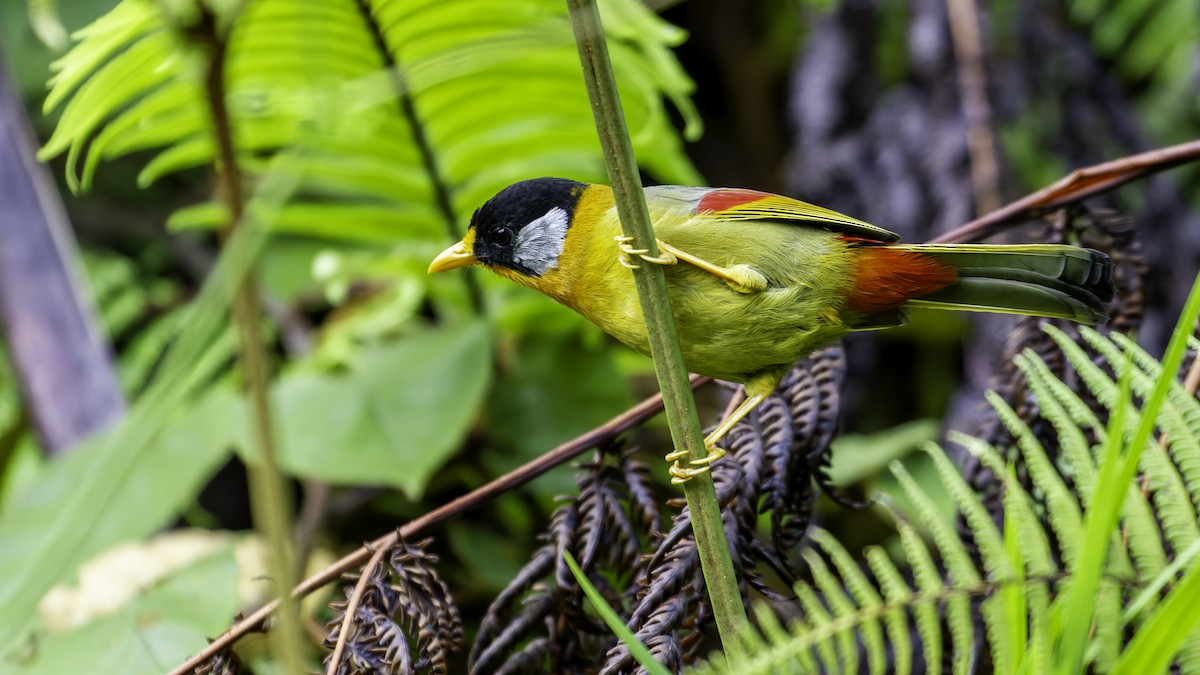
757, 280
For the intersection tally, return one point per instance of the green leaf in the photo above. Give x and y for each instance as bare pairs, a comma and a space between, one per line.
614, 622
859, 456
148, 493
395, 418
43, 17
153, 632
1074, 609
104, 467
1156, 641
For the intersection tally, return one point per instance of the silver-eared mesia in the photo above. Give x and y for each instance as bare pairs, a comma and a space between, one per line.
757, 280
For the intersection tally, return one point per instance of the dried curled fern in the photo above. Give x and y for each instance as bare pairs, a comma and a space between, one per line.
404, 602
775, 457
921, 612
597, 527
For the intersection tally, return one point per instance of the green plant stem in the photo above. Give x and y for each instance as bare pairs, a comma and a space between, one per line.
680, 406
640, 652
269, 501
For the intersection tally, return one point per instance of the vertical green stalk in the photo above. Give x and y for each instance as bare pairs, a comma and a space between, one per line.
269, 500
680, 406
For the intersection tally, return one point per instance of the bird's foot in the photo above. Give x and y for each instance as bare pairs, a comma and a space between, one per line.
741, 278
745, 279
625, 243
682, 474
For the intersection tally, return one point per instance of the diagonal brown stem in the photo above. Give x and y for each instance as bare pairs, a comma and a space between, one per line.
513, 479
1073, 188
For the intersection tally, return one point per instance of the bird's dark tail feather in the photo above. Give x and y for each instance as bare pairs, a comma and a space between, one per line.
1051, 280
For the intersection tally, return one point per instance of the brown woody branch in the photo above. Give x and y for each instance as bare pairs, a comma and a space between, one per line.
515, 478
1072, 189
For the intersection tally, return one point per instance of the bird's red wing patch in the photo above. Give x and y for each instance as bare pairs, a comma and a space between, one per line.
889, 277
723, 199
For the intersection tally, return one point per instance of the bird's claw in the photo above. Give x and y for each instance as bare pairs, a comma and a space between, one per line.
676, 456
682, 474
625, 243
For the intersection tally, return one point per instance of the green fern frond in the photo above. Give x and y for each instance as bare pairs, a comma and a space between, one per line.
1161, 478
1023, 534
818, 621
1062, 507
844, 609
864, 594
782, 651
960, 568
1144, 540
1033, 540
1067, 413
398, 103
897, 594
1017, 586
1011, 598
1180, 417
990, 543
929, 583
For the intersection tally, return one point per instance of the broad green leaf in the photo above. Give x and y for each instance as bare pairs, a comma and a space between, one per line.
859, 456
394, 419
89, 482
147, 494
154, 632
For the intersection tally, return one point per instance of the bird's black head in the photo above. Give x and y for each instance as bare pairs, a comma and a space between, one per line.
524, 226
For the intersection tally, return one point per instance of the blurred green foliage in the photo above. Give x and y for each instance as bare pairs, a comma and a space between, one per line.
159, 627
374, 171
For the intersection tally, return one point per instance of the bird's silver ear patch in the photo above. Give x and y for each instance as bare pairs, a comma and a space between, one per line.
540, 242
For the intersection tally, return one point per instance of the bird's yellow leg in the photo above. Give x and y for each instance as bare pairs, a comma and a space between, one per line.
757, 390
681, 474
741, 278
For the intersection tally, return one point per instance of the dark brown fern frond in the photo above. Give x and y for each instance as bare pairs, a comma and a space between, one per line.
674, 592
774, 459
644, 503
494, 652
531, 659
223, 663
538, 623
404, 602
812, 391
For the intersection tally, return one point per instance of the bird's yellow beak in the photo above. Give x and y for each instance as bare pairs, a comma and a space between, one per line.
454, 257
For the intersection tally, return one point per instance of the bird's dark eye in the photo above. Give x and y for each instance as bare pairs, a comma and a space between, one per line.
504, 236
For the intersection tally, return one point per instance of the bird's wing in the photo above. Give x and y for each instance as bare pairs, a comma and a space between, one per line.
741, 204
